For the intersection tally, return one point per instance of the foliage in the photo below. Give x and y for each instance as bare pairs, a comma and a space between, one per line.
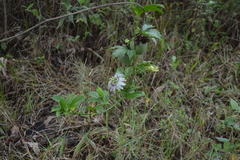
180, 66
68, 104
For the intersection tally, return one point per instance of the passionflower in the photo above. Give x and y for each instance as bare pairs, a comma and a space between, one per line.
116, 82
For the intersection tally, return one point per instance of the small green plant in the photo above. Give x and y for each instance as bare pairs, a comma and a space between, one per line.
39, 59
228, 145
175, 62
101, 97
136, 47
68, 104
3, 46
139, 43
234, 120
33, 11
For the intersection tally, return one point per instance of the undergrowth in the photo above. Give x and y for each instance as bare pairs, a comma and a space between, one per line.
179, 65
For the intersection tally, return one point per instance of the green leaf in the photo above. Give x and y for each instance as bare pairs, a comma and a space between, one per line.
70, 17
153, 33
100, 108
74, 39
135, 94
228, 147
154, 40
3, 46
145, 27
131, 53
128, 72
153, 7
94, 100
120, 50
77, 100
100, 92
69, 98
208, 89
138, 10
58, 114
132, 45
234, 105
35, 12
93, 94
60, 22
141, 48
91, 108
125, 59
66, 5
229, 121
237, 126
56, 108
57, 98
222, 139
106, 96
30, 6
81, 1
79, 145
63, 103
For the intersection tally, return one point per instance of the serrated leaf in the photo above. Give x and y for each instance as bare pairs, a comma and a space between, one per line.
222, 139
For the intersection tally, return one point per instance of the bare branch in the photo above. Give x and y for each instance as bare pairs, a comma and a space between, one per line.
51, 19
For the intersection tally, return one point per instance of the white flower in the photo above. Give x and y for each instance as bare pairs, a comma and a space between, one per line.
116, 82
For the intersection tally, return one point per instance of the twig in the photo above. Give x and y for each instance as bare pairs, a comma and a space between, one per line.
5, 15
51, 19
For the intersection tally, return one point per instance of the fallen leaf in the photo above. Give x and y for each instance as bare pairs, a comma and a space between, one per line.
3, 64
14, 134
34, 146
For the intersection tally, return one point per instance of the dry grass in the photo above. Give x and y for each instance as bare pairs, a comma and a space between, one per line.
178, 119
